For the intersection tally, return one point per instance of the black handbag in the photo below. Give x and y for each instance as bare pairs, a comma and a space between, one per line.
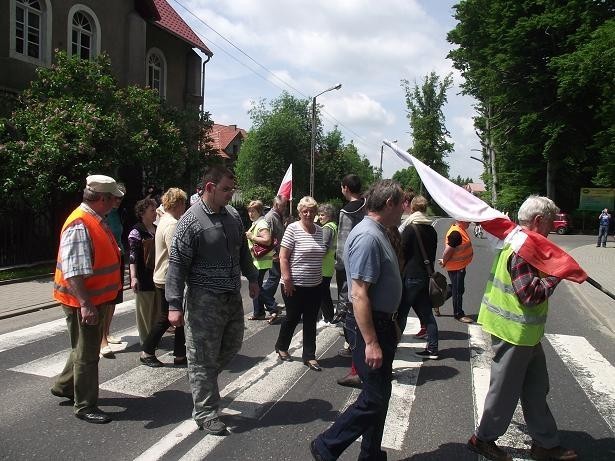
438, 285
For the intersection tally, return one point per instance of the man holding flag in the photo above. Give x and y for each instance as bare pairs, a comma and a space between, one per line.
514, 310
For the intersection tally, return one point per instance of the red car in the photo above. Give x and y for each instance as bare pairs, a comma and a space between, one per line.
562, 224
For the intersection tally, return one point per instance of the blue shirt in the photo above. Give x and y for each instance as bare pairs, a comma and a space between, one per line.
605, 219
370, 257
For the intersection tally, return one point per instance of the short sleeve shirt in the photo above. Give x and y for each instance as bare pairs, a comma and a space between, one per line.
370, 257
307, 251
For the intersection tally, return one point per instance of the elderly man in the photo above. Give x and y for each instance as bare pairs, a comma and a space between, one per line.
514, 310
375, 287
275, 223
208, 254
456, 257
86, 286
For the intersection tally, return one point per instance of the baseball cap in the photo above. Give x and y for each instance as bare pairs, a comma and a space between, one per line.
103, 184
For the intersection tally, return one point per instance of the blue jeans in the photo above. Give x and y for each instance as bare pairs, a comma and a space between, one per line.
416, 295
270, 286
458, 289
603, 233
367, 415
258, 308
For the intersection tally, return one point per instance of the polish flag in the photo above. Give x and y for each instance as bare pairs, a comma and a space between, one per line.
461, 205
286, 187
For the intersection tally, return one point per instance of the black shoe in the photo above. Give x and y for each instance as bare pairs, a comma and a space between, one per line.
427, 354
312, 365
180, 361
350, 380
212, 426
62, 395
94, 416
488, 449
284, 356
344, 352
151, 361
314, 451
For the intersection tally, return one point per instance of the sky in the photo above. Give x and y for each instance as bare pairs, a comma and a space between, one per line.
264, 47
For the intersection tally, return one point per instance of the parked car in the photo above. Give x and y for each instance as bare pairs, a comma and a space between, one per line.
562, 224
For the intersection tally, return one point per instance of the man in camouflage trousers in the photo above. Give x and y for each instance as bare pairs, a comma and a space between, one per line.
208, 254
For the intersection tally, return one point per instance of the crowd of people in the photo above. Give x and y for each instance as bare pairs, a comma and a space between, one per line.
185, 268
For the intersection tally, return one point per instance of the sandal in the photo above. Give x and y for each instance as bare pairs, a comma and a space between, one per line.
257, 317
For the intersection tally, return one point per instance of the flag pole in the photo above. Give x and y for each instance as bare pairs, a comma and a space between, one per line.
595, 284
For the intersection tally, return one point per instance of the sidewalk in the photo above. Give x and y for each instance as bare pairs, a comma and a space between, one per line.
599, 263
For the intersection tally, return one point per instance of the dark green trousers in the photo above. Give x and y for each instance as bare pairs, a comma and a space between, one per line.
80, 375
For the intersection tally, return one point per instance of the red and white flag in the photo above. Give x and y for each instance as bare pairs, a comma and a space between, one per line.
461, 205
286, 187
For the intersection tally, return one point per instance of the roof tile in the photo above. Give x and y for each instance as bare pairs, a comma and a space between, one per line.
173, 23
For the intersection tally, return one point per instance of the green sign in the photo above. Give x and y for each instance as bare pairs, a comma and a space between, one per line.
596, 199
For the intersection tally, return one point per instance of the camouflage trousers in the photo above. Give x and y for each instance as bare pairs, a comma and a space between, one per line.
214, 327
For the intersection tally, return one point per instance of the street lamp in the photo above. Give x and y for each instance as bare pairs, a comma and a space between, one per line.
313, 144
382, 152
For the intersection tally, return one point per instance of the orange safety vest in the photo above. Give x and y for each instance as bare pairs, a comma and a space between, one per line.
104, 283
463, 253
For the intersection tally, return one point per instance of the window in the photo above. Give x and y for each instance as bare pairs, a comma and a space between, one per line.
83, 32
30, 30
157, 71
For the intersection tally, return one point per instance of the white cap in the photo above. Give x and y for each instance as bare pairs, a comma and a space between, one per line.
103, 184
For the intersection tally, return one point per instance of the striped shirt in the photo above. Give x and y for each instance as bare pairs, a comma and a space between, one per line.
76, 252
306, 253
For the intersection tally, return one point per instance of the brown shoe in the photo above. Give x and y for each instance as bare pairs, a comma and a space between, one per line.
436, 311
555, 453
350, 380
488, 449
465, 319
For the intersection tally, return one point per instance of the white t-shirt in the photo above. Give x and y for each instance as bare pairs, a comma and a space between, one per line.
307, 251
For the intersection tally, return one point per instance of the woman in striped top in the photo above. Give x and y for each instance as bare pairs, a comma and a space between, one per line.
301, 253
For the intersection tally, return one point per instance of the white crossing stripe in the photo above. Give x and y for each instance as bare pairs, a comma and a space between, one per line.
593, 372
406, 369
46, 330
253, 394
53, 364
480, 360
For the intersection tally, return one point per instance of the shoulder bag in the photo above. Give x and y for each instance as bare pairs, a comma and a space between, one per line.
437, 281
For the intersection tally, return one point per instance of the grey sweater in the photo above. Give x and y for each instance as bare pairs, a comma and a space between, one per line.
209, 250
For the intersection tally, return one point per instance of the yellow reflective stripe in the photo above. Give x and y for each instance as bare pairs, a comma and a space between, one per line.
523, 319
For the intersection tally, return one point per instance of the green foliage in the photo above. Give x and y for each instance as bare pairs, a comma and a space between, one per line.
75, 120
408, 178
429, 133
461, 181
280, 135
263, 193
545, 69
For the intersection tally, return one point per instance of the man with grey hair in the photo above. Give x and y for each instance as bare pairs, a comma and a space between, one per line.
514, 311
275, 221
86, 283
375, 287
208, 253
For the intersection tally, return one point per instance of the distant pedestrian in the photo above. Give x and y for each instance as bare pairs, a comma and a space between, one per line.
514, 310
275, 220
456, 257
115, 222
209, 253
259, 234
301, 253
375, 285
198, 192
142, 262
174, 203
87, 280
604, 222
326, 218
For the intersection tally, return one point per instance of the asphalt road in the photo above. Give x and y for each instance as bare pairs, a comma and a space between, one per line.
275, 409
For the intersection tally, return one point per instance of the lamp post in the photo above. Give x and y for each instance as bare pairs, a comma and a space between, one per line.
382, 152
313, 144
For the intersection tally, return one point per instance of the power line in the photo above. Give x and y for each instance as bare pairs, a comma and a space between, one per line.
267, 70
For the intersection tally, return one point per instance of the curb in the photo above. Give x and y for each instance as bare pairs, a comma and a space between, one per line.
28, 310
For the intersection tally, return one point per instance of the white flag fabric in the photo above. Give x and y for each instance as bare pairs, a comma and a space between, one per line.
463, 206
286, 187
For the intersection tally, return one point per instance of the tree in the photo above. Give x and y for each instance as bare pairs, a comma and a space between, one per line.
543, 71
408, 178
75, 120
280, 135
429, 133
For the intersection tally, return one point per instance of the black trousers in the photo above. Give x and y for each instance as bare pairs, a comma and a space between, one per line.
304, 302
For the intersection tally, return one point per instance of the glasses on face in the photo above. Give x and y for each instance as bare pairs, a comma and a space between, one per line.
308, 211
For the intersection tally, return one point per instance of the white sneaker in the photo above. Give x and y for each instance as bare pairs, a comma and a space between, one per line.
322, 323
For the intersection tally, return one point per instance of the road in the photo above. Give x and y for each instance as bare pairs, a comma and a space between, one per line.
274, 409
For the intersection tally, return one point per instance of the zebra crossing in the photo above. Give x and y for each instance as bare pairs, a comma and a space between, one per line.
256, 391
